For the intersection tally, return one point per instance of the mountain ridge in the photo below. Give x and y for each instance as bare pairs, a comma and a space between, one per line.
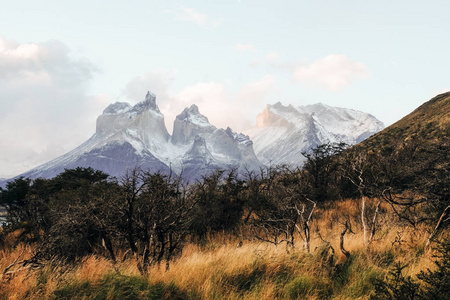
136, 136
283, 133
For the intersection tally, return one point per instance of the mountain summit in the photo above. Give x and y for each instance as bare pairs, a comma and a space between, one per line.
282, 133
128, 136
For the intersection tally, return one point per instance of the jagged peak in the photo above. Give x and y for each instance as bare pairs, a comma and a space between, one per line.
194, 110
116, 108
189, 111
148, 103
238, 137
229, 131
277, 105
192, 114
280, 108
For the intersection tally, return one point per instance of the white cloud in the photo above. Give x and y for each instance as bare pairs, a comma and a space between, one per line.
256, 91
43, 91
332, 72
224, 109
214, 100
158, 81
192, 15
272, 58
245, 47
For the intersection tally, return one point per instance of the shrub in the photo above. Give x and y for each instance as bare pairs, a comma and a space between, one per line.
396, 286
115, 286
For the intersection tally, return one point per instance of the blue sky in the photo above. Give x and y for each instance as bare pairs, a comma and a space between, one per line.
63, 62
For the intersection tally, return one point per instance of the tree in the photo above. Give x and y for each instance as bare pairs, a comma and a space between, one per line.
26, 204
82, 214
282, 209
321, 171
359, 170
219, 203
157, 214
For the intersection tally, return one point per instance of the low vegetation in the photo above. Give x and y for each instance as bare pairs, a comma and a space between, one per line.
224, 267
350, 224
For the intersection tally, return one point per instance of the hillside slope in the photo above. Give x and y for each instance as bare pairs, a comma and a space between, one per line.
428, 125
413, 154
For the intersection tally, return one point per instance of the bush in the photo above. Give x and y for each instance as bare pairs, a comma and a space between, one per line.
303, 286
115, 286
438, 282
396, 286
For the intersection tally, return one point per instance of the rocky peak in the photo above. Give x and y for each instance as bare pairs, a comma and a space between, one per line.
116, 108
189, 124
269, 117
192, 113
148, 103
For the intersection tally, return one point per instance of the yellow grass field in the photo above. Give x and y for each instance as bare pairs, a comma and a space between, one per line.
220, 269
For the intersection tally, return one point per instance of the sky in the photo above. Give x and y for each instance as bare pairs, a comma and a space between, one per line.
62, 62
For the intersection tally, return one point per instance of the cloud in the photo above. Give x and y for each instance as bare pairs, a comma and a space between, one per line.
214, 99
255, 92
243, 47
331, 72
158, 81
43, 91
191, 15
272, 60
225, 109
211, 97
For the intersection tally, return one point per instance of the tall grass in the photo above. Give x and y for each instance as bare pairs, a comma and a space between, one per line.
219, 269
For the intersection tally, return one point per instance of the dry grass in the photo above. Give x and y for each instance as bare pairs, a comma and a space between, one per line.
221, 270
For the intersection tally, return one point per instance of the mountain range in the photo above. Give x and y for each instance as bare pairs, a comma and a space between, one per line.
136, 136
283, 133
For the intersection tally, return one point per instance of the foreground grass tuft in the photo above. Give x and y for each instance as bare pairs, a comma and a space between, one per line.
115, 286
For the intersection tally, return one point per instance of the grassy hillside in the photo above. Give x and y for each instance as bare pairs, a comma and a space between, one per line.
425, 127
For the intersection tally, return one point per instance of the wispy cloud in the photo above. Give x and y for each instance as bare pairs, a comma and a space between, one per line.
256, 91
331, 72
189, 14
214, 99
245, 47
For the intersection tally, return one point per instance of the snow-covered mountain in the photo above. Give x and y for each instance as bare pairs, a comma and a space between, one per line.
282, 133
127, 136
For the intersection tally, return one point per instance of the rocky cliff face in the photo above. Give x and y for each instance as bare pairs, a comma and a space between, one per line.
135, 136
189, 124
282, 133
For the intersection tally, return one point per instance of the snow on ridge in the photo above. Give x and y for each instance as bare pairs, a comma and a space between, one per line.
136, 135
116, 108
283, 132
193, 115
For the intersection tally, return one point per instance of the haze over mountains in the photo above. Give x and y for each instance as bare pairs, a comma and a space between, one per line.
283, 133
128, 136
